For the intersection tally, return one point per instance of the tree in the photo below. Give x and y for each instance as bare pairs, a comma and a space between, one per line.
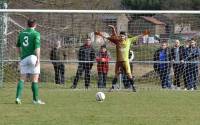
195, 4
161, 4
141, 4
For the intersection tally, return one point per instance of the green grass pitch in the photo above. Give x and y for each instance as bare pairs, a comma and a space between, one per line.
79, 107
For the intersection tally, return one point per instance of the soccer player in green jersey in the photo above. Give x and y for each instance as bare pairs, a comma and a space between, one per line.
28, 46
123, 44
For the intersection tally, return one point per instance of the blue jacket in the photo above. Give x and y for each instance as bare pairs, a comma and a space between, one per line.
157, 66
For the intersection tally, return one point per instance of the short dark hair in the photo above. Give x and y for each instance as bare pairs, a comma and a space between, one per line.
122, 33
31, 22
164, 42
103, 46
192, 39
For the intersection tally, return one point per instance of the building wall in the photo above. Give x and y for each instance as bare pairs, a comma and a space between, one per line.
140, 25
183, 28
122, 23
169, 27
160, 29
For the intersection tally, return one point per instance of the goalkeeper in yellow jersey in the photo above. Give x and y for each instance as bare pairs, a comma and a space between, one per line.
123, 44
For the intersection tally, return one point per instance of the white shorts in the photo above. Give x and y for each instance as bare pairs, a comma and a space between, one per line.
27, 65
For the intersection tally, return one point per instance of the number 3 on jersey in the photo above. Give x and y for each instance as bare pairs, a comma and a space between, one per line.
25, 42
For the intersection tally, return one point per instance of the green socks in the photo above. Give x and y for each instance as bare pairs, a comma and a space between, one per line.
20, 87
35, 90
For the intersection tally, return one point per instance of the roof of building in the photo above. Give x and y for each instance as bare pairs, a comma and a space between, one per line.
153, 20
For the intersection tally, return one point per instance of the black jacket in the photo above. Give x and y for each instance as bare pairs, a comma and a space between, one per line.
192, 54
156, 66
86, 53
181, 53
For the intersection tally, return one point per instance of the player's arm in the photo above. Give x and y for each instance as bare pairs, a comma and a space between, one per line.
18, 50
114, 32
134, 39
37, 50
18, 44
113, 39
100, 34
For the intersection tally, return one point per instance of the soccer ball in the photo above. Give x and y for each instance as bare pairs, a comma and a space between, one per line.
100, 96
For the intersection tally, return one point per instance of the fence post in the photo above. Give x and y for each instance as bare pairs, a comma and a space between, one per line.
3, 31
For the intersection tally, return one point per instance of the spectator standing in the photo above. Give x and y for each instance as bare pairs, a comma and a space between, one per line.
186, 46
58, 54
162, 67
86, 56
103, 57
177, 53
192, 54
